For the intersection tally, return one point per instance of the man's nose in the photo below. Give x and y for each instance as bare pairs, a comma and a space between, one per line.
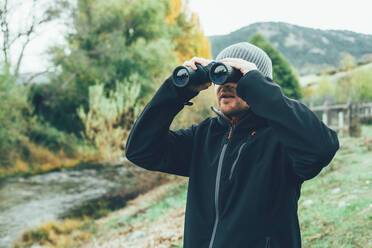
228, 86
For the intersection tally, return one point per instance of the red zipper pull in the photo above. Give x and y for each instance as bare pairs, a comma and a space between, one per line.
230, 133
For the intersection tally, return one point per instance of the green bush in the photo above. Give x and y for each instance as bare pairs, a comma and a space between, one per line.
14, 113
48, 136
109, 119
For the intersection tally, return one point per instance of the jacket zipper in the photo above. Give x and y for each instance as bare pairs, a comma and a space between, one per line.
236, 160
267, 242
217, 187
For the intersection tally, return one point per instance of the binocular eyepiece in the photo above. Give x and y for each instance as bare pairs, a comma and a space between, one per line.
216, 72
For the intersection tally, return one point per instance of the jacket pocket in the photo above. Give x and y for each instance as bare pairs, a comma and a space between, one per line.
236, 160
268, 239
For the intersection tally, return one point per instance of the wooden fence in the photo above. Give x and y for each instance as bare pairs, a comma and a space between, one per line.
343, 117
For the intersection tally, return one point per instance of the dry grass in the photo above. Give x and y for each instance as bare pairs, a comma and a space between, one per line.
34, 159
55, 234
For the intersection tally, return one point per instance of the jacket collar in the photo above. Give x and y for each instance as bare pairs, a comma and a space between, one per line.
250, 119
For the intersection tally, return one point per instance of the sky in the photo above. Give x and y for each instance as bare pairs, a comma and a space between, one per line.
223, 17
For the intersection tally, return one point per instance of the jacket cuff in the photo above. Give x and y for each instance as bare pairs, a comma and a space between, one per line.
252, 89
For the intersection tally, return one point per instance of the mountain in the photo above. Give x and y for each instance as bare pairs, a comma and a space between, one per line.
308, 50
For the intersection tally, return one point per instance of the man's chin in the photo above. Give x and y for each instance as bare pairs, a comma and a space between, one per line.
229, 111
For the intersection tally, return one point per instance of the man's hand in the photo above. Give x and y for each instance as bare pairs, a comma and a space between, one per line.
240, 64
191, 64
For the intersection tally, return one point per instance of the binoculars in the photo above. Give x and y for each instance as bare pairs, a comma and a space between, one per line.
216, 72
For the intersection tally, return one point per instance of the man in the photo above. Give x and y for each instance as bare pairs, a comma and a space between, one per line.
245, 166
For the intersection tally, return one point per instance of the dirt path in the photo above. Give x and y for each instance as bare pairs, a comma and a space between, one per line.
167, 231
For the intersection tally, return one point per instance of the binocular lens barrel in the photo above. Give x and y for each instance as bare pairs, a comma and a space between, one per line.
181, 76
219, 73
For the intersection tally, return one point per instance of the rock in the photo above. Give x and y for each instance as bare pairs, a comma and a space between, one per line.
341, 204
307, 203
336, 190
351, 197
136, 235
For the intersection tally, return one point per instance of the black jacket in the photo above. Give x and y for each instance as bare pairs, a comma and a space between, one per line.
243, 190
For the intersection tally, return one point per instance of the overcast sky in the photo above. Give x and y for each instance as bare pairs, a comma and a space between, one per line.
222, 17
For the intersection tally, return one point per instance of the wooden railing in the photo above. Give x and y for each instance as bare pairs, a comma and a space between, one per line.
342, 117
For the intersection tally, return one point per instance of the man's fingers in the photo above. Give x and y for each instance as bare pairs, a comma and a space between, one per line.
232, 64
191, 63
187, 64
239, 64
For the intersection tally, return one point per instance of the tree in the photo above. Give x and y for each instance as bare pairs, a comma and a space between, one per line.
355, 86
110, 40
325, 91
347, 61
14, 115
15, 40
114, 45
186, 32
283, 74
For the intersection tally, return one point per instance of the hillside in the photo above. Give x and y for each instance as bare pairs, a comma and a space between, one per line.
309, 50
313, 78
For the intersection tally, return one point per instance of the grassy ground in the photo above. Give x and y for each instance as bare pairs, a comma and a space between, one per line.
335, 208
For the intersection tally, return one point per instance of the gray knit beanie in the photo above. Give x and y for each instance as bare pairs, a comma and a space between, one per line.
250, 53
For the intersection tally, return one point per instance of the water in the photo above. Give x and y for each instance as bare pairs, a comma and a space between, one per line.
26, 203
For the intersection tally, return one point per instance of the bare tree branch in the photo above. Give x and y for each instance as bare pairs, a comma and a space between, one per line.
73, 75
5, 30
28, 34
35, 75
20, 57
23, 37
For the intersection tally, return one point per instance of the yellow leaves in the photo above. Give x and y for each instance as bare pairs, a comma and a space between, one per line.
203, 48
21, 166
175, 9
309, 90
192, 41
83, 16
74, 45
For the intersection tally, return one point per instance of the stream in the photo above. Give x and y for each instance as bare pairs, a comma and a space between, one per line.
27, 202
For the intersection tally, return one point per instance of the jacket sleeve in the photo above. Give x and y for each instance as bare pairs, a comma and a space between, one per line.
150, 144
310, 144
